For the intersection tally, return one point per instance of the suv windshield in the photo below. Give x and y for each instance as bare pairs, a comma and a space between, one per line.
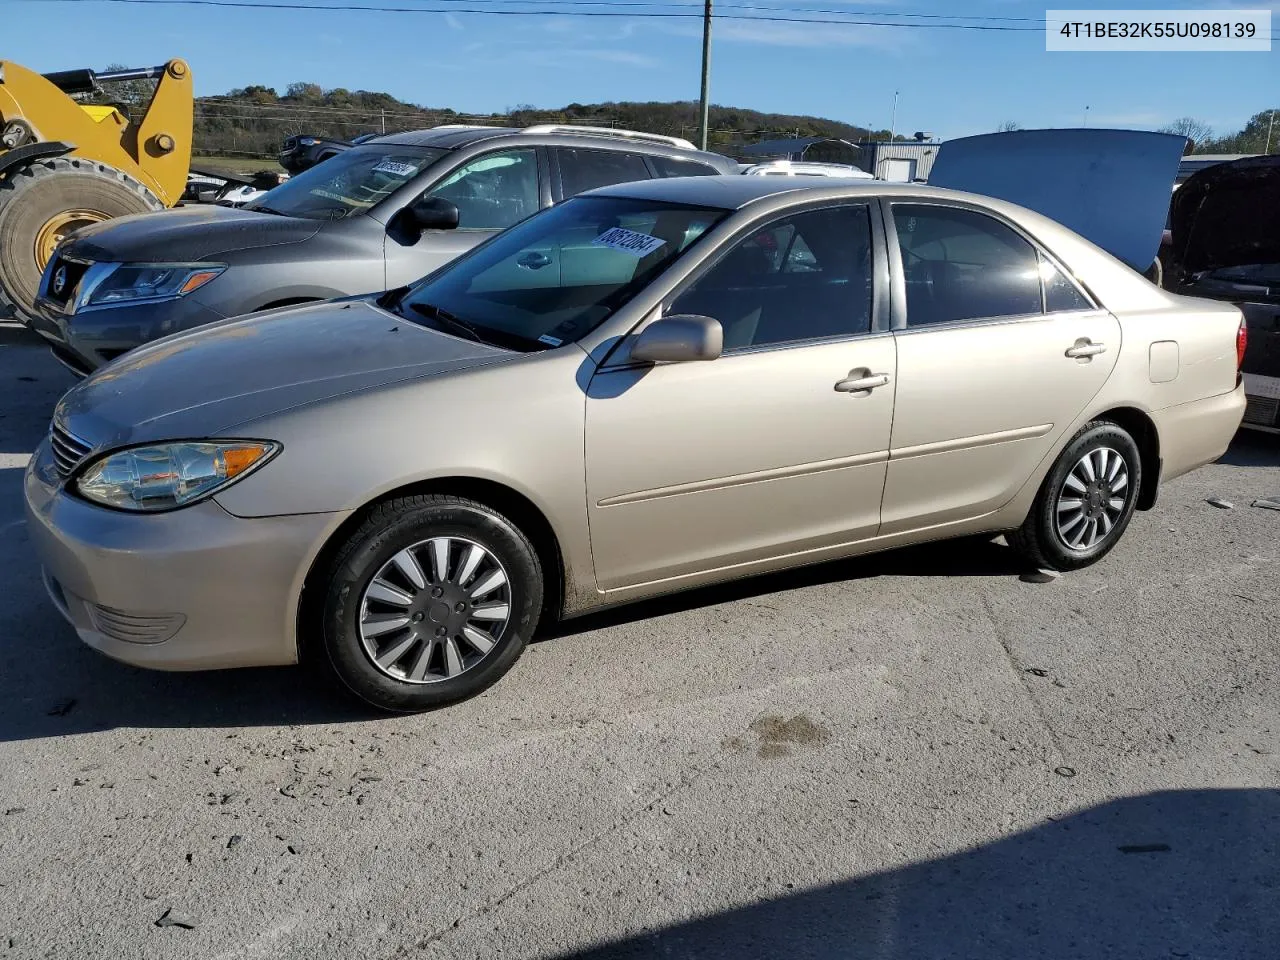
349, 183
560, 274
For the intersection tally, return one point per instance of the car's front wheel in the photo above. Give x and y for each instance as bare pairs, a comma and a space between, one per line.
1086, 501
431, 600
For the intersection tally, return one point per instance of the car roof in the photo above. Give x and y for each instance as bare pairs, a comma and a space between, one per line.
454, 136
733, 192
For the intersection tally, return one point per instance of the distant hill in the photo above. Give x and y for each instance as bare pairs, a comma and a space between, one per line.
253, 121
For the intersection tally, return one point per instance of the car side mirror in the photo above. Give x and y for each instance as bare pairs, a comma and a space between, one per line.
433, 213
678, 338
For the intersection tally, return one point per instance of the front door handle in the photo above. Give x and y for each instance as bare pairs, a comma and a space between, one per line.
533, 260
861, 382
1085, 348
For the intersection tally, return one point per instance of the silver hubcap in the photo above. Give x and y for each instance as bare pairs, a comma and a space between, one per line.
1092, 499
434, 610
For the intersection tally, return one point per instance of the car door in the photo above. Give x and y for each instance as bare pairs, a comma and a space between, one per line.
491, 191
779, 445
998, 354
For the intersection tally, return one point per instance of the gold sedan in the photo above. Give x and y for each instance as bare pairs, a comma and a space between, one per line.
648, 388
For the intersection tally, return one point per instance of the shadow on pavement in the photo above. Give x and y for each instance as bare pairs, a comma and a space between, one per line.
980, 556
1192, 873
1253, 448
53, 685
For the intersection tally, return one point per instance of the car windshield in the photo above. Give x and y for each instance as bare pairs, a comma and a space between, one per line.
560, 274
349, 183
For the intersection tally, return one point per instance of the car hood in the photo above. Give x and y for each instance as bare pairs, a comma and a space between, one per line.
1110, 186
1226, 215
207, 381
184, 234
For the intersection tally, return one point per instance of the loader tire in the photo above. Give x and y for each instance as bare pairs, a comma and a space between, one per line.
45, 200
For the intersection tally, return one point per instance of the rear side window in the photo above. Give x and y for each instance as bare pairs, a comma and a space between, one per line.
964, 265
1060, 293
671, 167
582, 170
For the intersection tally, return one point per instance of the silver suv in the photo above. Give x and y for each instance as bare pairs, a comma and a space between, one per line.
372, 218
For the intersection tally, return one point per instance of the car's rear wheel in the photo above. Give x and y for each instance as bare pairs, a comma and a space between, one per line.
1086, 501
431, 600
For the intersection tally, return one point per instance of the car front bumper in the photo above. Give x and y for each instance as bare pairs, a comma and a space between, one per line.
86, 340
191, 589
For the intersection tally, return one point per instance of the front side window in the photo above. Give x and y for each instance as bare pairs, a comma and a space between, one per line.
805, 277
964, 265
348, 183
583, 170
493, 191
559, 275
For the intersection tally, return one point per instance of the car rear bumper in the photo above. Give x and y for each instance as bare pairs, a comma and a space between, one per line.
192, 589
1193, 434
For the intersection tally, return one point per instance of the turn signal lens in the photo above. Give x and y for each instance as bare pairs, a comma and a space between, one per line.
1242, 343
196, 281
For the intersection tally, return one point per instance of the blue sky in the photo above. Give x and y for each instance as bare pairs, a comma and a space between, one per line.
951, 82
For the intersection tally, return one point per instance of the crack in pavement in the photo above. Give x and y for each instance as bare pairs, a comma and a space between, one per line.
1020, 675
494, 902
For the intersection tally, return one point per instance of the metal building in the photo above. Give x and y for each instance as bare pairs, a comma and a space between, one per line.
901, 161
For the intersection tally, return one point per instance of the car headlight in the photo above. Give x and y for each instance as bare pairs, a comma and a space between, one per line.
166, 476
152, 281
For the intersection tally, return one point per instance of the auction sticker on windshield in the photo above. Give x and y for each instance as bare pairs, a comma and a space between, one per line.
396, 168
628, 241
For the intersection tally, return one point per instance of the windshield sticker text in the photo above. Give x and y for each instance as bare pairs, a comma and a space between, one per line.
396, 168
628, 241
550, 340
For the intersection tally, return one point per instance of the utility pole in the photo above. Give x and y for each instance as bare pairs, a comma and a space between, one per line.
893, 118
704, 106
1270, 125
383, 112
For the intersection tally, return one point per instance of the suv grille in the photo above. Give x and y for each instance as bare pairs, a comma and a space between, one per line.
68, 451
71, 273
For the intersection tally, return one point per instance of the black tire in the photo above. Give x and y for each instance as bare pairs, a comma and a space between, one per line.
1040, 538
31, 195
390, 528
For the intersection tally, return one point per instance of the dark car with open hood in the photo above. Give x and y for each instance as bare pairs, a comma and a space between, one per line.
1225, 226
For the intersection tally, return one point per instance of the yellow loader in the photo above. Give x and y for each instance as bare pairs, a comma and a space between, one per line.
65, 164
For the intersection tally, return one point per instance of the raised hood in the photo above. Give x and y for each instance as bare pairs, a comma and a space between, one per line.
1110, 186
1228, 215
184, 234
205, 382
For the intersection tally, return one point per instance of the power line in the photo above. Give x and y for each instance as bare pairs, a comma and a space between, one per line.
665, 15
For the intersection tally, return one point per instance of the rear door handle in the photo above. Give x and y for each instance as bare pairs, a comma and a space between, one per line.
861, 381
1085, 348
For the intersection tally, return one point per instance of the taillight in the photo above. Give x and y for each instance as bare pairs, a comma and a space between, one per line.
1242, 341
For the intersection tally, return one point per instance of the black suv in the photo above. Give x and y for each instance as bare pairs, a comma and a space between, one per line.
305, 151
376, 216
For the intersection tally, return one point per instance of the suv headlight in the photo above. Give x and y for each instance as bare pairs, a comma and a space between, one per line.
166, 476
152, 281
